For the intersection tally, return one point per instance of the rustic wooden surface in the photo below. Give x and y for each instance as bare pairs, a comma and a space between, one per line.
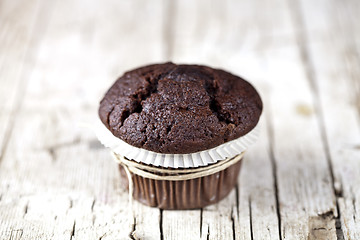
301, 180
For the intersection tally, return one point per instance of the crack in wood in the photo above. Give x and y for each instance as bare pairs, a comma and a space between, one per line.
237, 199
92, 211
100, 238
269, 128
161, 225
268, 229
26, 208
71, 203
338, 226
72, 234
52, 154
232, 224
201, 221
339, 232
338, 186
132, 234
250, 219
92, 205
16, 234
208, 233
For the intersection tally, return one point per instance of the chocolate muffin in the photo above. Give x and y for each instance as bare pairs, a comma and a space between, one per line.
168, 108
177, 110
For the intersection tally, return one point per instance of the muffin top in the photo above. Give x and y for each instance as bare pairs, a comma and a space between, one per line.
178, 109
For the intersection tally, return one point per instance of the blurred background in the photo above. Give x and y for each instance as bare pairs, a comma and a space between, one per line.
57, 59
76, 49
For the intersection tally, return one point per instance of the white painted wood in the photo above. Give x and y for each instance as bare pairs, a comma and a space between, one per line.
181, 224
257, 193
224, 34
147, 222
218, 220
56, 180
304, 179
336, 70
17, 27
260, 52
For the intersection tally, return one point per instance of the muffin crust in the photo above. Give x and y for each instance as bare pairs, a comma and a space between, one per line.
169, 108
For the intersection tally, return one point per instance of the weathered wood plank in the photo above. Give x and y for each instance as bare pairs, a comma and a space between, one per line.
323, 204
229, 34
218, 220
304, 221
181, 224
306, 198
18, 28
56, 181
335, 60
257, 195
304, 179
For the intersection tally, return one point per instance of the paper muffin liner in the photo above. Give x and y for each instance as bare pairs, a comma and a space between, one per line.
198, 159
188, 194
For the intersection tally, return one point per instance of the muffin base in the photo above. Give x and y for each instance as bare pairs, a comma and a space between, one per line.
186, 194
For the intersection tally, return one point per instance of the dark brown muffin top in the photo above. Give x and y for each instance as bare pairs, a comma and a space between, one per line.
169, 108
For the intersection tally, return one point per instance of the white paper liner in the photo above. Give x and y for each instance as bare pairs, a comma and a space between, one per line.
198, 159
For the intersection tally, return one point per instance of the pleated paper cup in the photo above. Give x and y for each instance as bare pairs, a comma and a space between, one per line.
180, 194
186, 194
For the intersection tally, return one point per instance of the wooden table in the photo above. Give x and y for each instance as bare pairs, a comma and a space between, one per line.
301, 180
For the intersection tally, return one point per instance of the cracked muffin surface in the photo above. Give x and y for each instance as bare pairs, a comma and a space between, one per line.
169, 108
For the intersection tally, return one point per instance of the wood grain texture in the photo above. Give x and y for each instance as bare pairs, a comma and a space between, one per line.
211, 34
56, 180
301, 180
334, 60
19, 23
